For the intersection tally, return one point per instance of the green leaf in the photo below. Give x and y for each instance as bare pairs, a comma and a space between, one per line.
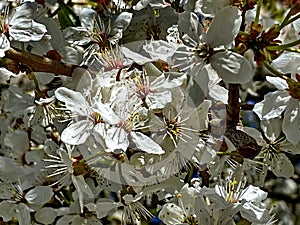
66, 16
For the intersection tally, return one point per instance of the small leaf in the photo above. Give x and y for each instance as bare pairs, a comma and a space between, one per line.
66, 17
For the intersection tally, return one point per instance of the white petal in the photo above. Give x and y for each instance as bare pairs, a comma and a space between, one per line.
117, 138
287, 62
202, 111
197, 86
13, 173
212, 6
104, 207
167, 81
4, 45
107, 114
171, 214
255, 214
272, 106
224, 27
7, 210
160, 50
87, 18
278, 82
255, 134
23, 214
296, 25
82, 80
22, 27
188, 195
219, 93
253, 194
135, 56
158, 100
122, 21
291, 121
155, 4
145, 143
82, 188
232, 67
73, 100
45, 215
77, 133
39, 195
77, 35
290, 148
189, 25
272, 128
281, 166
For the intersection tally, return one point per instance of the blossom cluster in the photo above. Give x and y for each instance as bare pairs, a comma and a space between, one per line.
148, 126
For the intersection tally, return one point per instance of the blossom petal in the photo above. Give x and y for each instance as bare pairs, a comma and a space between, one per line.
171, 214
46, 215
254, 213
104, 207
160, 50
121, 22
82, 80
145, 143
197, 86
87, 18
253, 194
22, 27
255, 134
4, 45
77, 133
223, 31
287, 62
188, 24
281, 166
219, 93
82, 188
117, 138
212, 6
291, 121
158, 100
278, 82
131, 53
39, 195
272, 106
232, 67
272, 128
73, 100
107, 114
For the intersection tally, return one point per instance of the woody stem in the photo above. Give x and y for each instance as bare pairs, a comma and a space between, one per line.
38, 63
233, 107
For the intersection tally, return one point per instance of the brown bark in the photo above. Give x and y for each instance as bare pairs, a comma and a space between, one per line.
233, 108
38, 63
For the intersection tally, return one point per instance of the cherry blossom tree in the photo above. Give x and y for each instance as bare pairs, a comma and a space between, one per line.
149, 112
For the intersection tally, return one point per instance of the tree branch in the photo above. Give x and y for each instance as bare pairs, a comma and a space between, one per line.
39, 63
233, 107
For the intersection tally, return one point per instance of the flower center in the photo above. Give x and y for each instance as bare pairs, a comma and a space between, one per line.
173, 129
203, 51
131, 123
142, 87
79, 166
